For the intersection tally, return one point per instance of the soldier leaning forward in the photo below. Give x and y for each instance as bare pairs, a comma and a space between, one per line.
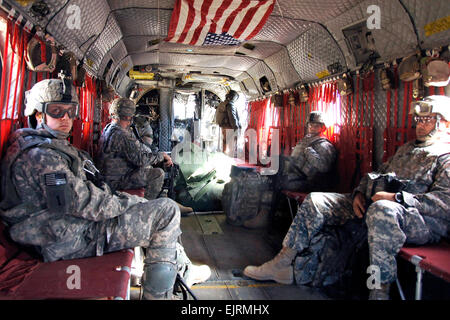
125, 162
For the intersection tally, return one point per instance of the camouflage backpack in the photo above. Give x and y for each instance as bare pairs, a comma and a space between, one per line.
331, 257
247, 193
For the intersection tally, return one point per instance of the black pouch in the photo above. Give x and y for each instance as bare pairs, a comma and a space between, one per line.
388, 182
58, 192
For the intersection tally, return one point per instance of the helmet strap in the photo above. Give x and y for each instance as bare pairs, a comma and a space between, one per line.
438, 122
57, 134
67, 91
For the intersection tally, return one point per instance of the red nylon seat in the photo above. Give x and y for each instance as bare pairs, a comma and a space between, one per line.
136, 192
24, 277
435, 258
297, 196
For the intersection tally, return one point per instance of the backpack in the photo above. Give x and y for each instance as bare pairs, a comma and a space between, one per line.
247, 193
221, 117
331, 257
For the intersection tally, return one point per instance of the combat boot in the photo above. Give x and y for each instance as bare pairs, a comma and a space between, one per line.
184, 210
191, 273
380, 294
196, 274
159, 279
279, 269
260, 221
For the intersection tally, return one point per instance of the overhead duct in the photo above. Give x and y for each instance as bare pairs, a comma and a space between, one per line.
137, 75
194, 77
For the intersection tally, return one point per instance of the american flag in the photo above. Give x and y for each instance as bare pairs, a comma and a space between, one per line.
217, 22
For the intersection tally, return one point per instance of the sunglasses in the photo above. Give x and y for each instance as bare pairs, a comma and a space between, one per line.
57, 110
423, 119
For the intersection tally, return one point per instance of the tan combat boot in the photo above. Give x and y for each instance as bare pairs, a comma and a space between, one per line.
196, 274
260, 221
278, 269
380, 294
184, 210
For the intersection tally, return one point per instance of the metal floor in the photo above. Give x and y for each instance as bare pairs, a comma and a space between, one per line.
227, 250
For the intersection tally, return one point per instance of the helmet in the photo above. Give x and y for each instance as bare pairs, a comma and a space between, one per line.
49, 90
432, 104
232, 96
142, 111
122, 107
316, 116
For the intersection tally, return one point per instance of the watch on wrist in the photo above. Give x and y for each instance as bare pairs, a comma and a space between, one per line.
398, 197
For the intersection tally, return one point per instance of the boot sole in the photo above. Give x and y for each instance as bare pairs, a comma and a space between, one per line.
278, 280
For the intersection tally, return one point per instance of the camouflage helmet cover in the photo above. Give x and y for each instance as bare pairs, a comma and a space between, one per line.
122, 107
317, 116
432, 104
48, 90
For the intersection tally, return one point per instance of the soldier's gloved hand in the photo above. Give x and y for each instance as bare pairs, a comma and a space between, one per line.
359, 205
167, 161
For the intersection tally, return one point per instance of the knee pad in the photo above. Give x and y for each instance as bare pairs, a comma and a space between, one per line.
159, 278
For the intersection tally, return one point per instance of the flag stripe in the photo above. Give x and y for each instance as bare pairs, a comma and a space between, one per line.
174, 21
268, 12
243, 19
219, 13
181, 22
204, 22
233, 5
212, 22
189, 20
233, 15
214, 9
198, 17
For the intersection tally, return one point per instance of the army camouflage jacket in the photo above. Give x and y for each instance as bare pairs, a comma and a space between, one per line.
425, 168
36, 170
314, 158
120, 153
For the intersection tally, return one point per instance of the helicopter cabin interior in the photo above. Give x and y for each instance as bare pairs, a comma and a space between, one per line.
362, 62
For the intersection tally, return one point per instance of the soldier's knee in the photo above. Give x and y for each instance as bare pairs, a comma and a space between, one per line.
382, 210
314, 197
157, 173
167, 206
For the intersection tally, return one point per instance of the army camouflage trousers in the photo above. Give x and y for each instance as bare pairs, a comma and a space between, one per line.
154, 225
152, 179
390, 225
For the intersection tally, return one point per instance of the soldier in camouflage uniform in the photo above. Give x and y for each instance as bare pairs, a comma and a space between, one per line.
126, 162
52, 202
417, 213
142, 123
311, 166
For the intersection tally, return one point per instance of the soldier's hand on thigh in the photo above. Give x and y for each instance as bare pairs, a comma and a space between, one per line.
359, 205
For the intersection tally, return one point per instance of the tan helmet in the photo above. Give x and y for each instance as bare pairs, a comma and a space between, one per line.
122, 107
49, 90
432, 104
316, 116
